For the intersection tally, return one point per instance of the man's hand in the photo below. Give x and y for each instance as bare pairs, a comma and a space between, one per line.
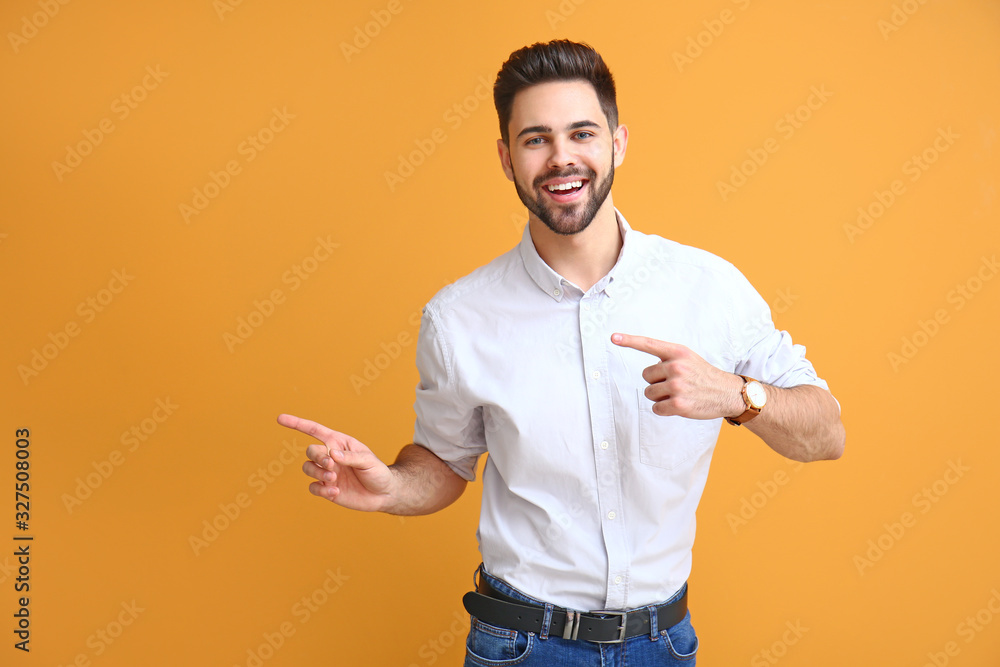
802, 423
684, 384
348, 473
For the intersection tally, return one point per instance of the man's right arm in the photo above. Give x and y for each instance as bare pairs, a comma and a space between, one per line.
426, 483
349, 474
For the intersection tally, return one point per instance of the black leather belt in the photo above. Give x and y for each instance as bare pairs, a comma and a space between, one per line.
603, 627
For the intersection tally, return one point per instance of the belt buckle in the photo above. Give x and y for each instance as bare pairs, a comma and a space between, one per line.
621, 627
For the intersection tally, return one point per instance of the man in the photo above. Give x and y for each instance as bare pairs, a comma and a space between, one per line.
595, 364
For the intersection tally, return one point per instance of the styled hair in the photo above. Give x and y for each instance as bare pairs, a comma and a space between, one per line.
558, 60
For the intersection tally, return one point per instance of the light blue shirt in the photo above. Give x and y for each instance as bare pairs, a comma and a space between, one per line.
589, 497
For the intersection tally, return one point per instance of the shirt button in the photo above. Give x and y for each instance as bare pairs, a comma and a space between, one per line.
604, 445
618, 580
612, 515
597, 374
557, 291
586, 306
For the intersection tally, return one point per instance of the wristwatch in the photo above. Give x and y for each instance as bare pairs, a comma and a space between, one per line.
755, 398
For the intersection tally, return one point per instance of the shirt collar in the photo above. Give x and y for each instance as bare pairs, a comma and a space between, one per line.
551, 282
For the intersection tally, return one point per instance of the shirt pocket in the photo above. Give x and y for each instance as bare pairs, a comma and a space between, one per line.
670, 442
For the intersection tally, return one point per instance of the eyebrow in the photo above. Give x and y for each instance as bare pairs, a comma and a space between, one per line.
545, 128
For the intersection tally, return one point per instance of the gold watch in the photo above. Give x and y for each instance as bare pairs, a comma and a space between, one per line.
754, 397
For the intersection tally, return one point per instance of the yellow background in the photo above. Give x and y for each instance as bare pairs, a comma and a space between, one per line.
896, 74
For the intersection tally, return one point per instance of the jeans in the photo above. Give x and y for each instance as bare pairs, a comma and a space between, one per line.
488, 645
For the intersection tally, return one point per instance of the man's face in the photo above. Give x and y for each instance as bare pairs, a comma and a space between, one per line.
562, 155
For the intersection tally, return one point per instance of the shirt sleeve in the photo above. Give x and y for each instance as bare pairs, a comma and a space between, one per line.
447, 422
763, 352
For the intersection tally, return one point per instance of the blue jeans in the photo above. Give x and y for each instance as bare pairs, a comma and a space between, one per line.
488, 646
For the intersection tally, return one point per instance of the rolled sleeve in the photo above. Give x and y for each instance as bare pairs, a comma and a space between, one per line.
446, 423
763, 352
774, 359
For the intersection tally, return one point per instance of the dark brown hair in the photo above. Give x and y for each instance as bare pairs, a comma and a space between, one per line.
558, 60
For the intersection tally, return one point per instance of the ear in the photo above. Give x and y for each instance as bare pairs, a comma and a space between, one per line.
504, 151
620, 140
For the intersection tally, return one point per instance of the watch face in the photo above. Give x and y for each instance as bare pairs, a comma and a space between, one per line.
756, 394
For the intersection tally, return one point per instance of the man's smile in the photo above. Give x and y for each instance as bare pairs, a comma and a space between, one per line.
565, 190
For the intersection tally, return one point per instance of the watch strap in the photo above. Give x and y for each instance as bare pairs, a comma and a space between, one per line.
751, 411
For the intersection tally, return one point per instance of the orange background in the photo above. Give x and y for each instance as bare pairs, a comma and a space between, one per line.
870, 570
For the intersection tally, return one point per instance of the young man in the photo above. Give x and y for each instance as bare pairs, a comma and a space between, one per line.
595, 364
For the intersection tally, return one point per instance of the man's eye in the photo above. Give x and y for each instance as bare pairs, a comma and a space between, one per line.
584, 135
534, 141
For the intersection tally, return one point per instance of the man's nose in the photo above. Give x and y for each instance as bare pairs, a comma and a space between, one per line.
562, 154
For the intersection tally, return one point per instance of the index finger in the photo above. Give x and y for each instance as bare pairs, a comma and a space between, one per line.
306, 426
658, 348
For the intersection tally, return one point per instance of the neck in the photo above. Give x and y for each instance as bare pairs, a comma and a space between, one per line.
585, 257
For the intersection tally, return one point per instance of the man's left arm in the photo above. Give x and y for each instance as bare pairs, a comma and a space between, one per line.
800, 422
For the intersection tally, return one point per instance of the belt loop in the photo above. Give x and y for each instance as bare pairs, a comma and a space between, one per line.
654, 631
546, 621
475, 577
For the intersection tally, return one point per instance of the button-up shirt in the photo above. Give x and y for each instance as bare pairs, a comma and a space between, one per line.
589, 497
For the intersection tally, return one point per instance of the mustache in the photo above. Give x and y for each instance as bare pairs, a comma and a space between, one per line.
588, 174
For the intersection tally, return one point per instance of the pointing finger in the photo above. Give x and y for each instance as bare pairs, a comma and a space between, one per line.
306, 426
658, 348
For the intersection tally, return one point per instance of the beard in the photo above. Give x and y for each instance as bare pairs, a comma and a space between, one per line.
572, 219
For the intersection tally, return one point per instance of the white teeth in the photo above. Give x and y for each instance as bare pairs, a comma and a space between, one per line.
565, 186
